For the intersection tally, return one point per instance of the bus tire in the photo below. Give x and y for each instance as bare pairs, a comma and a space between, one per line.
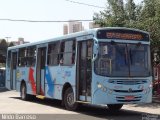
114, 107
24, 95
69, 102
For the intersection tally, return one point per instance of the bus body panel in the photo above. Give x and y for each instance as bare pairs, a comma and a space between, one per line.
7, 78
28, 75
56, 77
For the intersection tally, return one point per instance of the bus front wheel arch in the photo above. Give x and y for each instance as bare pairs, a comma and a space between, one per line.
68, 99
65, 87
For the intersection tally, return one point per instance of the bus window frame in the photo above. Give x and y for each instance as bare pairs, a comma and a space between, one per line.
51, 43
33, 57
24, 57
8, 58
61, 60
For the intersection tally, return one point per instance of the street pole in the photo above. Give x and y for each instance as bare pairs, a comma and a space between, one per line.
7, 39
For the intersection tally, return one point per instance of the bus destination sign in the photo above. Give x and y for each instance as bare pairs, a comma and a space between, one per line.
122, 34
126, 36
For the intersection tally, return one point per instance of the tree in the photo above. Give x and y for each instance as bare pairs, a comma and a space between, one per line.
10, 44
3, 43
131, 10
3, 51
150, 20
114, 15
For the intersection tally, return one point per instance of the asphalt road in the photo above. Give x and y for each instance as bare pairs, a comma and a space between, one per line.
11, 104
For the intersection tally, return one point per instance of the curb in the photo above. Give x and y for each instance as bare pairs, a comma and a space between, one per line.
156, 101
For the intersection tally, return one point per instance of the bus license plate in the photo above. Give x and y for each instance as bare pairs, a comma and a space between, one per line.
129, 97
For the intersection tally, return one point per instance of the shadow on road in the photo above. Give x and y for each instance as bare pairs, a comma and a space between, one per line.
94, 111
47, 102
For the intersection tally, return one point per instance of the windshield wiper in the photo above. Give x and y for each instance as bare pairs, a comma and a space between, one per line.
138, 44
113, 42
130, 55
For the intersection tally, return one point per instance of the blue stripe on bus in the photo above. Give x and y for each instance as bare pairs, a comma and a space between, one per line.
49, 82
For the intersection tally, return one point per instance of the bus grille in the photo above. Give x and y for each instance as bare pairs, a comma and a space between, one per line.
126, 91
122, 99
127, 82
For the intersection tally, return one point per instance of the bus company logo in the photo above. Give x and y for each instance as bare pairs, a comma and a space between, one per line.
130, 90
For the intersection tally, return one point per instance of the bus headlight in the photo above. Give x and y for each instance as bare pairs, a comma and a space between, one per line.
102, 87
150, 86
99, 85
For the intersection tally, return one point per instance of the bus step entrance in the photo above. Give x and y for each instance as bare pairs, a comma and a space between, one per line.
40, 96
83, 102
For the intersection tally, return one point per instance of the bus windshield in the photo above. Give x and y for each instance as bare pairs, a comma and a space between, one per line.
120, 60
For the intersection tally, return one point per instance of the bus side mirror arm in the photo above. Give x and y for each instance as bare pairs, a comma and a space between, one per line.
95, 49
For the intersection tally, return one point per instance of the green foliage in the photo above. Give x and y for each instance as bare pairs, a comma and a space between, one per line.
3, 43
10, 44
144, 16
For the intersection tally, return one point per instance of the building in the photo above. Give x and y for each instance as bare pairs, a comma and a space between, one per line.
65, 29
19, 42
73, 26
93, 25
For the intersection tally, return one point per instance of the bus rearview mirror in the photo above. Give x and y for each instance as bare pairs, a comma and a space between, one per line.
95, 49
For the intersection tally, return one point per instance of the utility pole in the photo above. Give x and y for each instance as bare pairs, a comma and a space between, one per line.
7, 39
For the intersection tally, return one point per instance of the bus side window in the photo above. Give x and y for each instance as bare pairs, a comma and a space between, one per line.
53, 50
22, 57
67, 52
31, 56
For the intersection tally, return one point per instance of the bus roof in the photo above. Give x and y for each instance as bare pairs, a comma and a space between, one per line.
73, 35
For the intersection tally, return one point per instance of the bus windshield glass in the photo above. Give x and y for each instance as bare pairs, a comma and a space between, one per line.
119, 60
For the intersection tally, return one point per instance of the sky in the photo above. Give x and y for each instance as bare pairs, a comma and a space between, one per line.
41, 10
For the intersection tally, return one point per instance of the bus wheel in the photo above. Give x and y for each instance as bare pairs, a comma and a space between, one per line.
69, 102
24, 95
114, 107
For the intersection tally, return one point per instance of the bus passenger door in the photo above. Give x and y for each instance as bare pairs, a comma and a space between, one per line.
84, 70
40, 71
13, 67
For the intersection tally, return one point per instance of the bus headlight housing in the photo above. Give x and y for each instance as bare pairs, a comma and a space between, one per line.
102, 87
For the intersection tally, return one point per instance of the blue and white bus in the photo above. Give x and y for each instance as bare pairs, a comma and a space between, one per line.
103, 66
